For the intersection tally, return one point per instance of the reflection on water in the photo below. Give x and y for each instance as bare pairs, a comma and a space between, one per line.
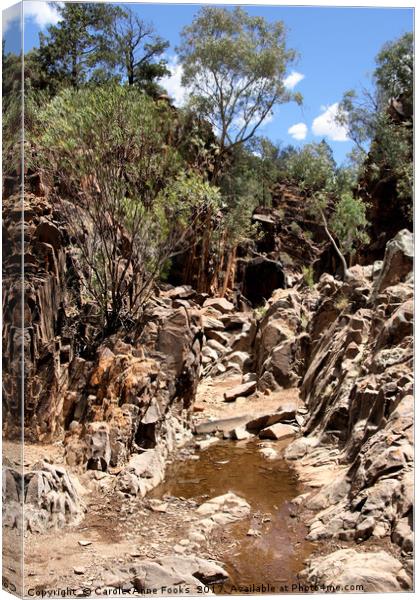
276, 553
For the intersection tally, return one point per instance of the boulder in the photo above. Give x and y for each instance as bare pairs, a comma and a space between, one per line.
166, 574
398, 261
244, 389
212, 323
239, 358
224, 509
279, 431
403, 535
204, 444
98, 454
220, 304
374, 571
269, 453
143, 472
240, 433
221, 425
286, 413
183, 292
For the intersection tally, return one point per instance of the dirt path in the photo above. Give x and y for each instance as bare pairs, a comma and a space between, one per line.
210, 404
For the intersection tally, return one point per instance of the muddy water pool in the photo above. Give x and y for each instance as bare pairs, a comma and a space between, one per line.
275, 553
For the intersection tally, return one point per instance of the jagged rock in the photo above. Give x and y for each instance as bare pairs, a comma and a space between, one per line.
235, 321
403, 535
279, 342
398, 261
220, 304
221, 337
174, 337
375, 571
210, 354
279, 431
240, 433
330, 494
217, 346
211, 323
50, 499
245, 389
166, 573
238, 358
98, 452
184, 292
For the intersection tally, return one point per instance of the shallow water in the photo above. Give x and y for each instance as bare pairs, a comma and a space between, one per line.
276, 556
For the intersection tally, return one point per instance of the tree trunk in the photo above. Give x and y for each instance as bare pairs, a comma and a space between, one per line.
229, 271
332, 240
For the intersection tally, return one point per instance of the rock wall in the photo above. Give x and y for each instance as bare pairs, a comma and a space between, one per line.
358, 388
138, 395
51, 305
130, 398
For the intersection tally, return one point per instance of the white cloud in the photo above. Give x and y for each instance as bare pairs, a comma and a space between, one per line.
10, 16
42, 13
293, 79
298, 131
172, 83
325, 124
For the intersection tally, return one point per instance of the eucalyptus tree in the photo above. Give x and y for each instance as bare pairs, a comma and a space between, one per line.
380, 122
234, 67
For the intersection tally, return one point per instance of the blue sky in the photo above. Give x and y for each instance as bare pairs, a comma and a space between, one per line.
337, 48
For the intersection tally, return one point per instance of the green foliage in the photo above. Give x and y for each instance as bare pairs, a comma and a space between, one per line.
110, 148
342, 303
100, 43
261, 311
327, 187
349, 223
389, 131
112, 130
241, 193
394, 71
308, 276
263, 158
234, 65
312, 167
294, 228
79, 44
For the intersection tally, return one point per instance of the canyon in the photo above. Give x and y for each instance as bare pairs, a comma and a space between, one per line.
223, 443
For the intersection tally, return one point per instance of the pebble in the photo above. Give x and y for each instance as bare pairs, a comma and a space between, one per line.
254, 533
79, 570
84, 543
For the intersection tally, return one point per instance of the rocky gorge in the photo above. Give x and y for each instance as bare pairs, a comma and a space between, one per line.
315, 384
